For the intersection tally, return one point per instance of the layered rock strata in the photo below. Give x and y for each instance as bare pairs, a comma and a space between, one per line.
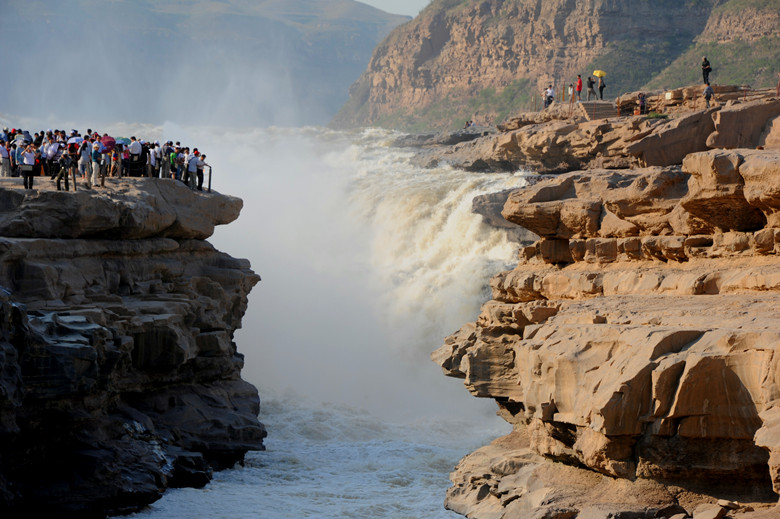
119, 376
487, 59
635, 348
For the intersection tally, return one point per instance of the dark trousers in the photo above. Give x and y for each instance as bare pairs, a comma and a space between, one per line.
54, 168
62, 173
28, 175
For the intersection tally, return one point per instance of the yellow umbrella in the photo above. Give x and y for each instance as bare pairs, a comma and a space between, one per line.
599, 73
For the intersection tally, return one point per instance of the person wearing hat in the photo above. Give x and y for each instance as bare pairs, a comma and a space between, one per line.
97, 171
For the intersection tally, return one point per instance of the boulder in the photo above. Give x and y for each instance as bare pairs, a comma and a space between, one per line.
740, 125
671, 141
716, 191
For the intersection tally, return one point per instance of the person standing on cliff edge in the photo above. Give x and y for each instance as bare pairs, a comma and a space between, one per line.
601, 88
705, 70
5, 159
708, 94
591, 91
579, 88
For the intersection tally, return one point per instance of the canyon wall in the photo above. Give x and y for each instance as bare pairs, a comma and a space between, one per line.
486, 60
635, 348
637, 340
119, 376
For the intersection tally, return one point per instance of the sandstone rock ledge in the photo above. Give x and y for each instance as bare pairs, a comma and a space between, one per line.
119, 376
562, 139
635, 348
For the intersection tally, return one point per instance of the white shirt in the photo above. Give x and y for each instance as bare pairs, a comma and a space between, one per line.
153, 157
51, 150
135, 148
28, 157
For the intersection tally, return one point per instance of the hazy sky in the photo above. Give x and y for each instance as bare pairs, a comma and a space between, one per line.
407, 7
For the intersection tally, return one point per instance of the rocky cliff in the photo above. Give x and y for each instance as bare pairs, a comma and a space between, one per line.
567, 137
635, 348
489, 59
119, 376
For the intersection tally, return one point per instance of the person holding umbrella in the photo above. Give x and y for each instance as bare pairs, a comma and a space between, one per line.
600, 74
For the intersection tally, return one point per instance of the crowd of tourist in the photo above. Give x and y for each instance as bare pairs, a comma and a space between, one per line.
575, 92
92, 157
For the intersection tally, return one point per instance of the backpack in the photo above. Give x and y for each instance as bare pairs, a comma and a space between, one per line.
73, 148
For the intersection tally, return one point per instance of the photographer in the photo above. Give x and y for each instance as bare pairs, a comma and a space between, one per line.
30, 159
65, 163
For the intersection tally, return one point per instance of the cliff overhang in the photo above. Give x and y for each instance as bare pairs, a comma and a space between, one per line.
119, 375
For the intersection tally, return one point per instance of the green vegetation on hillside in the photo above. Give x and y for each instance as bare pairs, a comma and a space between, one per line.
736, 63
630, 64
490, 106
741, 5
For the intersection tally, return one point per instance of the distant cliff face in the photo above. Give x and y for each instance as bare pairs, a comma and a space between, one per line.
484, 60
194, 61
119, 376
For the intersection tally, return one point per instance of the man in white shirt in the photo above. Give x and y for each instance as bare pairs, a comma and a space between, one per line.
151, 164
85, 162
28, 165
53, 154
134, 149
5, 159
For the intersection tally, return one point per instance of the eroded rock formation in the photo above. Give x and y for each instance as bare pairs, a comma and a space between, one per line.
119, 376
635, 348
564, 139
